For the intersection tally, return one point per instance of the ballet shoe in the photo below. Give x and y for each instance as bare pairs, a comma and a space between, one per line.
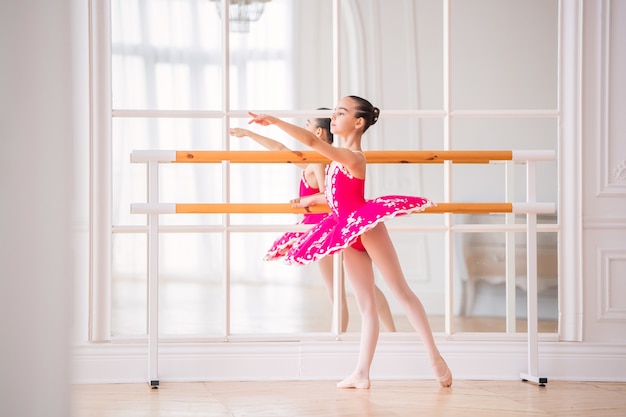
442, 372
352, 382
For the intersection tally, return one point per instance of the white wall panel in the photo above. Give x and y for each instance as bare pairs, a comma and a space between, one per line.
604, 178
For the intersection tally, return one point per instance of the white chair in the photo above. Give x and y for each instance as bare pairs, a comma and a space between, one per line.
482, 259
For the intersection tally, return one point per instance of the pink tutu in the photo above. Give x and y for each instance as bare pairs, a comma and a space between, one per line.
351, 216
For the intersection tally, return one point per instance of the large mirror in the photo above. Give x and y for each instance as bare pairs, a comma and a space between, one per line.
480, 74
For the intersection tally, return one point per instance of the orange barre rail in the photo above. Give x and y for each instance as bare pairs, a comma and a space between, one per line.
240, 208
377, 157
323, 208
249, 208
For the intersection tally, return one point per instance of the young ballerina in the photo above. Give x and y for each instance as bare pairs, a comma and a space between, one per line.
356, 226
312, 185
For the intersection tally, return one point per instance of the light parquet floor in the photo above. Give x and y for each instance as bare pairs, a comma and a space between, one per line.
323, 399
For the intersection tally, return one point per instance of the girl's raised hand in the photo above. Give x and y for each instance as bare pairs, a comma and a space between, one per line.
239, 132
302, 202
262, 119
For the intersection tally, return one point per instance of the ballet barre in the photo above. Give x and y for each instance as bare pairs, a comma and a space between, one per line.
252, 208
154, 208
373, 157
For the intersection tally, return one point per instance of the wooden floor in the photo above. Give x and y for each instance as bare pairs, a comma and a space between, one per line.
321, 398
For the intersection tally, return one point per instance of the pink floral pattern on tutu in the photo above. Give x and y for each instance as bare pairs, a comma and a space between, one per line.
351, 216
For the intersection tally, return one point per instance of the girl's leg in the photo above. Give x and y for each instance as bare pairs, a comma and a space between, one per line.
384, 312
326, 269
358, 266
382, 252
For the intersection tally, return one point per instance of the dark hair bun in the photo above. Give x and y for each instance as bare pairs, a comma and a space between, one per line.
375, 114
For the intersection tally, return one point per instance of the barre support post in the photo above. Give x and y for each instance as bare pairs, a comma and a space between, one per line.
531, 277
153, 276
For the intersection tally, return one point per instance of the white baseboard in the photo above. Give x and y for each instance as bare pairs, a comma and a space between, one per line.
332, 360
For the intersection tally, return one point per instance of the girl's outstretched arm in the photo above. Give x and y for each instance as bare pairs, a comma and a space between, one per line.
344, 156
299, 133
270, 144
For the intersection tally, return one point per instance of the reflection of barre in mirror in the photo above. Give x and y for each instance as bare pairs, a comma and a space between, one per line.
153, 208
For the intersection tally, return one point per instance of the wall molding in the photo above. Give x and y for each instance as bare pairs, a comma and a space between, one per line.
571, 151
332, 360
609, 174
614, 223
606, 258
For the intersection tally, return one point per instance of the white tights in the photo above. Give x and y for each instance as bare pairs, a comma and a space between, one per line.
360, 272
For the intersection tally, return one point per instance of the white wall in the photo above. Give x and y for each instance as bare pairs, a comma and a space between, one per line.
37, 127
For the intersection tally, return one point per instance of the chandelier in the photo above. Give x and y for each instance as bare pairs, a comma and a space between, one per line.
241, 13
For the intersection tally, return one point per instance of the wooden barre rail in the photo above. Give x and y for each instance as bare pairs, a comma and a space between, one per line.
379, 157
376, 157
249, 208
